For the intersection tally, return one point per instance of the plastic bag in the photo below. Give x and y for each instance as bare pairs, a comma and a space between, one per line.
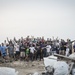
61, 68
50, 61
7, 71
72, 56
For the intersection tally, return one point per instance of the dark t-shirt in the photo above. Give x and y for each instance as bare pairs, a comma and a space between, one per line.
22, 48
74, 46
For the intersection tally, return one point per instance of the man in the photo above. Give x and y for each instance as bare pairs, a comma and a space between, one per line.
27, 53
38, 53
3, 50
0, 49
62, 51
48, 47
11, 50
67, 50
74, 46
57, 46
22, 51
16, 47
70, 46
32, 50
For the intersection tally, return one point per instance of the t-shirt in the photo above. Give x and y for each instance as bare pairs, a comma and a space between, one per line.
48, 47
67, 49
0, 48
27, 51
32, 49
74, 46
16, 47
3, 49
22, 48
11, 49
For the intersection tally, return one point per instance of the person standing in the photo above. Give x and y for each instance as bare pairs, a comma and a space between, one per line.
27, 53
48, 47
74, 46
38, 54
69, 42
11, 50
32, 50
67, 50
17, 51
22, 51
3, 51
0, 50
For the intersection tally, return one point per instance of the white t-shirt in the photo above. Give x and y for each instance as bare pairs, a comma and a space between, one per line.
67, 51
32, 49
48, 47
16, 47
57, 44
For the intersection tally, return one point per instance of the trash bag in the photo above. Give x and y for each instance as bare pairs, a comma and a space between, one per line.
49, 69
7, 71
50, 61
73, 71
72, 56
61, 68
36, 73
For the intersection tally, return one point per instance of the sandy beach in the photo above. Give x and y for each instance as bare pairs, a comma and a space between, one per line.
26, 68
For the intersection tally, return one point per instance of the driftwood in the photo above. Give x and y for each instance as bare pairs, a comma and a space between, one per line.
62, 57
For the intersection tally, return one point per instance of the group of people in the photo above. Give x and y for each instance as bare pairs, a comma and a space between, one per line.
30, 49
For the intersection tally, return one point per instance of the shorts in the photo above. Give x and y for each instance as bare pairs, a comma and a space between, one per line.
27, 55
11, 54
4, 54
22, 54
17, 53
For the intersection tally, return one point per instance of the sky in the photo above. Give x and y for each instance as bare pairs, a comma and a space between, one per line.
19, 18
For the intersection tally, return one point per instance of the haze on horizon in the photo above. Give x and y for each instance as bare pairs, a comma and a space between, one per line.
37, 18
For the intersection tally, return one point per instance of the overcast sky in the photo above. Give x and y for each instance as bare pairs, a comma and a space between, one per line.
38, 18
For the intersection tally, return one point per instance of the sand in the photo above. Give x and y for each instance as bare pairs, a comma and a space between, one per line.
26, 68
